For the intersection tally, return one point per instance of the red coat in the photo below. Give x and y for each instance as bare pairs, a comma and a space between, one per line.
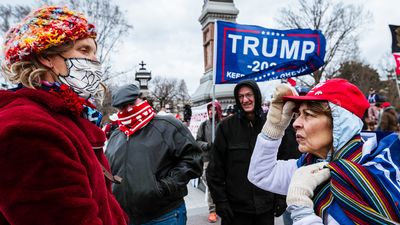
49, 164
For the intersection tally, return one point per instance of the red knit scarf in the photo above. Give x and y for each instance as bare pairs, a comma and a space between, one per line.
135, 117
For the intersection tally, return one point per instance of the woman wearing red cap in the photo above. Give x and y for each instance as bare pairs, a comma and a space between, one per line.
340, 178
51, 157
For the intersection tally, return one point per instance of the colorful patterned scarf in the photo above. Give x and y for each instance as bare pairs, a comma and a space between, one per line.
77, 105
134, 118
353, 190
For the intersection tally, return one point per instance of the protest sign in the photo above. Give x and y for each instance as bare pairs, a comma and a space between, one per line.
254, 52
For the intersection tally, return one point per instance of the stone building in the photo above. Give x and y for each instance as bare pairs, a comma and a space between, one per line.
212, 10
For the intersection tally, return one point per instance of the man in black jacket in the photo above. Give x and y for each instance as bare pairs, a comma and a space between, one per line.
237, 201
155, 156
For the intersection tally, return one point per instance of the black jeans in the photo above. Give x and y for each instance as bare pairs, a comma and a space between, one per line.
266, 218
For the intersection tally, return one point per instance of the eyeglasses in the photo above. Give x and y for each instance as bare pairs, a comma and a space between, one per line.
247, 95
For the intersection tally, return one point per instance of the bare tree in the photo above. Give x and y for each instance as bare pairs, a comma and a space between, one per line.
340, 23
106, 108
357, 73
163, 90
182, 92
11, 14
387, 67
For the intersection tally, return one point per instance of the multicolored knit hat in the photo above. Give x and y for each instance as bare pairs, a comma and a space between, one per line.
43, 28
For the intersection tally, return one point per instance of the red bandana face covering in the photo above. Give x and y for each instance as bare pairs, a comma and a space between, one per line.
133, 118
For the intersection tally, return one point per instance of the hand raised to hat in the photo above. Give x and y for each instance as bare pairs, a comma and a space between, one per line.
280, 113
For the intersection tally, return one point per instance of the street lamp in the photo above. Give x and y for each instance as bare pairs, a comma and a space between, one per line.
143, 77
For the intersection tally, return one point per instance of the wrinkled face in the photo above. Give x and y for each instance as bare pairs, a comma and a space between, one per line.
246, 98
313, 132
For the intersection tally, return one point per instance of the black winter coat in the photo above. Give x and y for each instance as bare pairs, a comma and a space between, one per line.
229, 164
155, 163
230, 159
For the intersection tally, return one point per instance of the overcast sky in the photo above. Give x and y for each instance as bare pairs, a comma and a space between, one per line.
167, 36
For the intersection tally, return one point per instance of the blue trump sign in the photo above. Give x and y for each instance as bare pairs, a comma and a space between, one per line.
253, 52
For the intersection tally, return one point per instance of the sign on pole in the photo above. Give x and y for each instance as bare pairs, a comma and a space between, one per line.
395, 30
254, 52
199, 114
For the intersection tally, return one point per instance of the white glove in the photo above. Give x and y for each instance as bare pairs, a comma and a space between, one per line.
303, 183
279, 113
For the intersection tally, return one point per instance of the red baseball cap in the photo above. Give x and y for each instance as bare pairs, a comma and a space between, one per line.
386, 104
339, 92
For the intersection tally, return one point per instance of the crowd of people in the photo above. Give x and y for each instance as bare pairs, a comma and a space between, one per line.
381, 115
303, 156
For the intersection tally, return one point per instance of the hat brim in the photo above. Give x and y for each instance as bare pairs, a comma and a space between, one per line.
304, 98
123, 103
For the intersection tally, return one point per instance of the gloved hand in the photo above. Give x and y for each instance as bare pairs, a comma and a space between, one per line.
280, 113
279, 205
223, 210
303, 183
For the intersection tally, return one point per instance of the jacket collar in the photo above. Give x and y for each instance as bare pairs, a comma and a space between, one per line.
55, 105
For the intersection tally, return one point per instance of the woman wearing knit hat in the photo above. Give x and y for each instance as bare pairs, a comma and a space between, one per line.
340, 178
51, 157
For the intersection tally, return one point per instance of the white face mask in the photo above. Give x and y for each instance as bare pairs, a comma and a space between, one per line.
84, 76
